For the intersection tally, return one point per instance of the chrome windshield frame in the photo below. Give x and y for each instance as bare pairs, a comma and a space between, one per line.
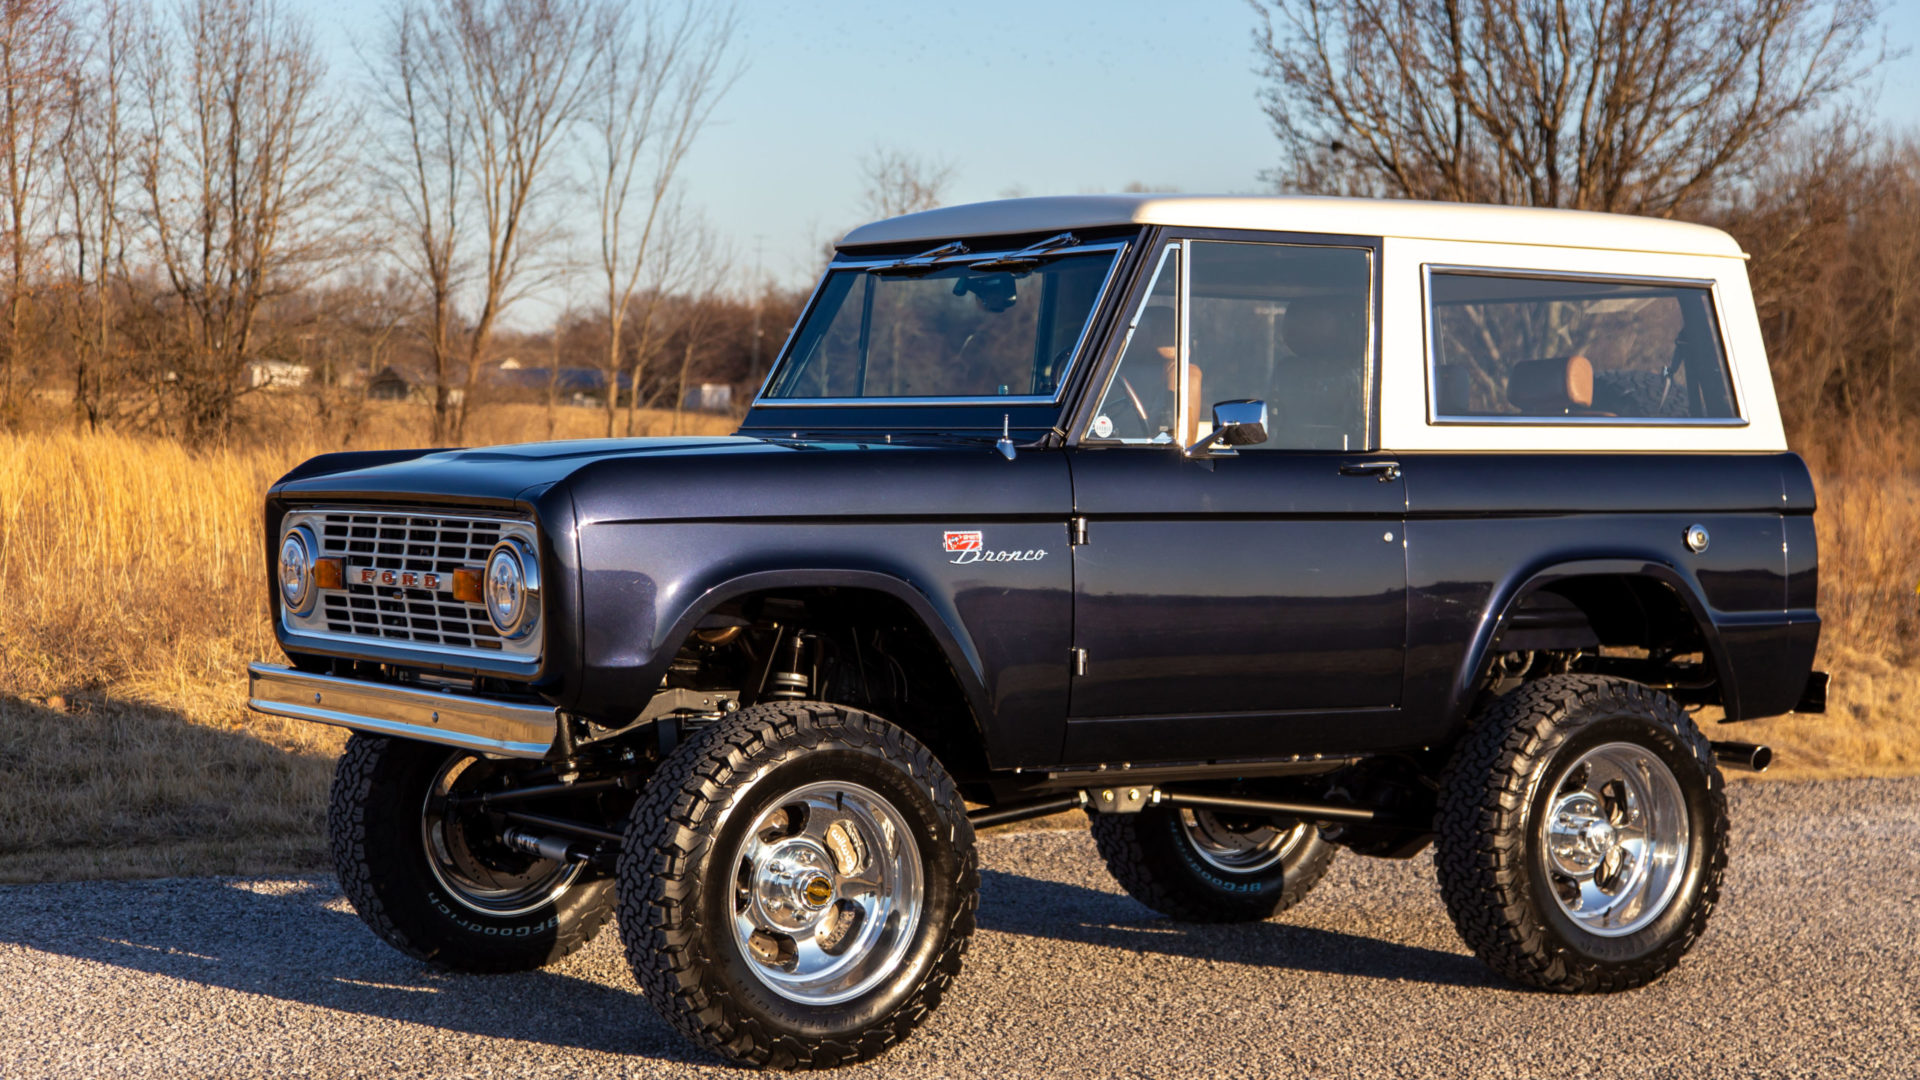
1118, 249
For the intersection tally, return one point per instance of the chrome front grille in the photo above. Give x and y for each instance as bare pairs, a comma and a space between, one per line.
399, 579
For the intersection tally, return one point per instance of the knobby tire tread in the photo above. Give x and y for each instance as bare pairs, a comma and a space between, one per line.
678, 818
358, 786
1165, 885
1481, 845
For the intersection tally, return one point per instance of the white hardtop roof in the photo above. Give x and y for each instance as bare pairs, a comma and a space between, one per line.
1308, 214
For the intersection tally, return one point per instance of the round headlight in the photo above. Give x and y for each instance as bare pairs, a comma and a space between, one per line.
296, 570
512, 589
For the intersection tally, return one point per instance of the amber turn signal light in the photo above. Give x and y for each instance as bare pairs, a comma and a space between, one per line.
330, 573
466, 585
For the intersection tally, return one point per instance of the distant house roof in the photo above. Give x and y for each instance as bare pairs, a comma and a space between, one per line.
570, 380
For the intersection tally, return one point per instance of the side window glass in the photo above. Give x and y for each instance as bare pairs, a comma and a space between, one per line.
1140, 402
1286, 324
1507, 346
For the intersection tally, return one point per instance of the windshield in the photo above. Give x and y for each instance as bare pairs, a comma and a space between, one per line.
950, 332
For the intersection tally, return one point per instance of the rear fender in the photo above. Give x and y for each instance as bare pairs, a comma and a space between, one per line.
1514, 591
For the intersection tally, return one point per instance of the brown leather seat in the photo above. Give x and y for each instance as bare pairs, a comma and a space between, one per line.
1557, 386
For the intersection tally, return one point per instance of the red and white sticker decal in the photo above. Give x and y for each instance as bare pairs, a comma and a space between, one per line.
965, 541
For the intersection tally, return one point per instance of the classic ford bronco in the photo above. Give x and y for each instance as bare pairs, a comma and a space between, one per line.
1257, 528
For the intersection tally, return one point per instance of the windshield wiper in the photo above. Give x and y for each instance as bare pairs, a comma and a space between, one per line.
1028, 257
921, 263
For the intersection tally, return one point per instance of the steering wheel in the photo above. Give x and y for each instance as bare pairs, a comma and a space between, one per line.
1129, 416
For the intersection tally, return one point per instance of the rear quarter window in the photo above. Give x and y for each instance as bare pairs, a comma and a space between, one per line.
1510, 347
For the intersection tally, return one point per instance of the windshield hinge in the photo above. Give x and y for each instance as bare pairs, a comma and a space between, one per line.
1076, 531
1026, 257
921, 263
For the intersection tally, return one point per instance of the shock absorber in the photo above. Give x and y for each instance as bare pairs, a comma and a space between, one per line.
545, 847
788, 681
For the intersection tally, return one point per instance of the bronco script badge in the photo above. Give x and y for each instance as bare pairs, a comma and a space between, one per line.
971, 547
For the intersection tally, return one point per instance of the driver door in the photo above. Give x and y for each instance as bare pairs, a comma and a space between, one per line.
1252, 605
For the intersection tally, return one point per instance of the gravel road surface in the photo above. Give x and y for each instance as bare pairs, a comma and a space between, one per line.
1811, 968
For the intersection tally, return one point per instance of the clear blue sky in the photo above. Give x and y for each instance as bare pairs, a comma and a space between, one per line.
1043, 96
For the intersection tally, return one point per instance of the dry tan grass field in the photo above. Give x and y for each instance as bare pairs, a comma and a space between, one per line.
132, 593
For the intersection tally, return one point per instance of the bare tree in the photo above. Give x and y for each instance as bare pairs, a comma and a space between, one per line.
1639, 106
1833, 222
701, 302
241, 170
900, 182
563, 321
36, 63
425, 180
682, 246
94, 150
383, 300
481, 94
353, 319
560, 324
664, 75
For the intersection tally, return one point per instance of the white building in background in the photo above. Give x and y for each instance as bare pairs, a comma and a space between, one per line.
708, 397
276, 375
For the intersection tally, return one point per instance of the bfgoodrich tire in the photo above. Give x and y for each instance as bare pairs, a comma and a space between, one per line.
797, 886
1198, 866
438, 884
1583, 830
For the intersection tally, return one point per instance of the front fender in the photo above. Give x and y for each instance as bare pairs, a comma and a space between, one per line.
935, 613
1002, 625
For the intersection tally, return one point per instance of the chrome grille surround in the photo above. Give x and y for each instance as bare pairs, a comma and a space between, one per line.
418, 540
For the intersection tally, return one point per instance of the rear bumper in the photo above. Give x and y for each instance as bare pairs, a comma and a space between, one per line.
470, 723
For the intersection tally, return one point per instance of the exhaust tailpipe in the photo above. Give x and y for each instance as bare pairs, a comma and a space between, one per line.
1751, 757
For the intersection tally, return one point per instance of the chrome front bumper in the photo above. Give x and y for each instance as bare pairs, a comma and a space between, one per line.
470, 723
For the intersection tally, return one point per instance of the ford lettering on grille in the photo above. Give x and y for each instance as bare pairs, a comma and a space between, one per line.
399, 571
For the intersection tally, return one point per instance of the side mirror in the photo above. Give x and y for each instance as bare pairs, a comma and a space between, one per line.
1235, 423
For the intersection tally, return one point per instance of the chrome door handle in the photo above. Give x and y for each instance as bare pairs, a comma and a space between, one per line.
1385, 470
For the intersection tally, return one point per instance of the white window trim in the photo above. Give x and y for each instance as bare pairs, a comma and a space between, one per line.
1405, 404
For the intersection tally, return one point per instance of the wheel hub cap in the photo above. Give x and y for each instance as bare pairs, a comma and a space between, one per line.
828, 890
792, 886
1615, 839
1237, 845
1579, 836
468, 859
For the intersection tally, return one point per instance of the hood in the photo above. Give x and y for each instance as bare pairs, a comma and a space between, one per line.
707, 478
487, 474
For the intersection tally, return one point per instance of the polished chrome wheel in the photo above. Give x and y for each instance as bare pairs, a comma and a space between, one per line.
468, 858
828, 889
1614, 839
1237, 844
